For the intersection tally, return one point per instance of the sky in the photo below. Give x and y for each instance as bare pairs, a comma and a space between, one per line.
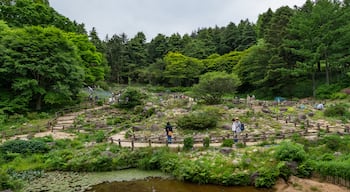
166, 17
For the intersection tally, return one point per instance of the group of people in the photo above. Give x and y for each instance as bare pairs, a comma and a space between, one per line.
236, 129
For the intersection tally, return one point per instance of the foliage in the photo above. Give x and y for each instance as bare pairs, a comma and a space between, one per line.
227, 143
47, 72
337, 110
197, 121
188, 143
130, 98
333, 142
206, 142
7, 182
288, 151
24, 147
224, 83
266, 177
326, 91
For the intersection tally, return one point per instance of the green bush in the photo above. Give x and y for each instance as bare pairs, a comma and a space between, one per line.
289, 151
197, 121
326, 91
24, 147
7, 182
206, 142
227, 143
337, 110
130, 98
266, 177
305, 169
188, 143
332, 142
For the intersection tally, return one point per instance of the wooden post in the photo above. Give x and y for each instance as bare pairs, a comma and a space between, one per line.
132, 145
149, 142
119, 143
327, 129
244, 141
295, 123
318, 127
307, 123
111, 139
63, 127
306, 130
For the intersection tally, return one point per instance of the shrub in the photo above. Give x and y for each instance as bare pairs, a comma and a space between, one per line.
288, 151
188, 143
130, 98
24, 147
266, 177
7, 182
332, 142
326, 91
206, 142
337, 110
197, 121
227, 143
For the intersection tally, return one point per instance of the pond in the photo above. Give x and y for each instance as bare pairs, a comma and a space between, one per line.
167, 185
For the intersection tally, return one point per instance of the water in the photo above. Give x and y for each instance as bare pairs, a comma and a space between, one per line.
166, 185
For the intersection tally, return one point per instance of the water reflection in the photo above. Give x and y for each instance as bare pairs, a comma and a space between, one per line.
164, 185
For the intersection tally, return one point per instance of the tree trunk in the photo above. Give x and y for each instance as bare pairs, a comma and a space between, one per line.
313, 84
38, 103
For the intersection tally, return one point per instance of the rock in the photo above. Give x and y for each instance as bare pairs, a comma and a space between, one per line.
107, 154
227, 126
283, 109
226, 150
265, 110
302, 116
154, 127
160, 114
138, 127
337, 154
311, 114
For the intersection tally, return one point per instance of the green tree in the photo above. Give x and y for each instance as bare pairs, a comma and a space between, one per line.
44, 68
181, 70
224, 83
91, 60
19, 13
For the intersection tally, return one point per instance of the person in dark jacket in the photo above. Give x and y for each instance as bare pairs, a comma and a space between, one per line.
169, 132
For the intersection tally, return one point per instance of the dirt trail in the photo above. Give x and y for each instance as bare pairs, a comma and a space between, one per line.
296, 184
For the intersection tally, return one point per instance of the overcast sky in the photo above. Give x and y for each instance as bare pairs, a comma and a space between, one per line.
162, 16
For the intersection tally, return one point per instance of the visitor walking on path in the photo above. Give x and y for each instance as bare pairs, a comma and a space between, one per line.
236, 128
169, 132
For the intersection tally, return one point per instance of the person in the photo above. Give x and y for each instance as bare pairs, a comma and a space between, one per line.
236, 128
169, 132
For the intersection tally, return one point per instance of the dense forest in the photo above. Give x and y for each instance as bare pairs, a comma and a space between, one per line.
45, 58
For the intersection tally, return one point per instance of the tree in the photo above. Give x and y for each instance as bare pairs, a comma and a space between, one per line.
181, 70
116, 55
19, 13
91, 60
224, 83
44, 68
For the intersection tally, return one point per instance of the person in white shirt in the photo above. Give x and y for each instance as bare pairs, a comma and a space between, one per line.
236, 128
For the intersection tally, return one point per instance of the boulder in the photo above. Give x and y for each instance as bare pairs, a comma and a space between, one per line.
138, 127
227, 126
226, 150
